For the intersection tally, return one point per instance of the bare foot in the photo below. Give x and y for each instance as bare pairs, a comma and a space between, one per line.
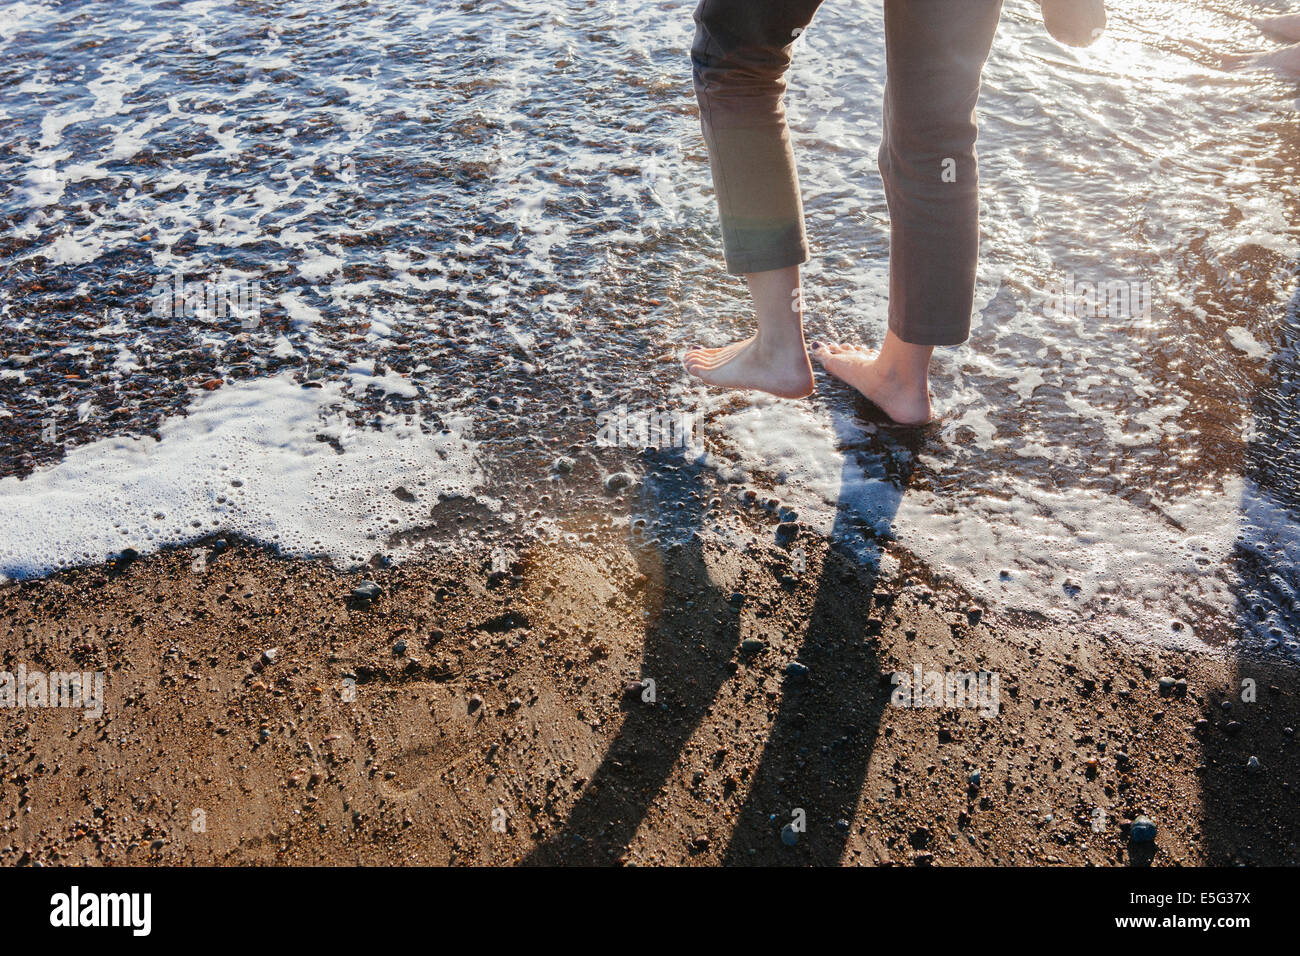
783, 372
1075, 22
1286, 26
1285, 60
905, 400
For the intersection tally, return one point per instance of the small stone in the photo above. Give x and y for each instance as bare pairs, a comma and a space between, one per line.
789, 835
367, 591
619, 481
796, 670
399, 648
564, 465
1166, 686
475, 702
974, 613
787, 531
269, 655
1253, 765
974, 779
1143, 830
752, 645
1180, 688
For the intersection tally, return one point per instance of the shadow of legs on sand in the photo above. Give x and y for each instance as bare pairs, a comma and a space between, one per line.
816, 751
691, 635
832, 696
1243, 802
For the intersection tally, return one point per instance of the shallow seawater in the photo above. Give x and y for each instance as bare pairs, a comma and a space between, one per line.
441, 261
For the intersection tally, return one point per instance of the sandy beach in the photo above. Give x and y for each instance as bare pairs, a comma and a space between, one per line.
366, 497
256, 712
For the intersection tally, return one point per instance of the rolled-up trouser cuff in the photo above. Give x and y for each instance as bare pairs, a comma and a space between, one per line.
778, 252
929, 335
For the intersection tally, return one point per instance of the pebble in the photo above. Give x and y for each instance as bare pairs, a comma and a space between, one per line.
789, 835
367, 591
1252, 765
752, 645
270, 654
399, 648
619, 481
787, 531
974, 779
564, 465
796, 670
1166, 686
475, 702
1143, 830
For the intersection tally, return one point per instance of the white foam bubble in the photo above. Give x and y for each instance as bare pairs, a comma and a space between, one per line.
1071, 554
245, 460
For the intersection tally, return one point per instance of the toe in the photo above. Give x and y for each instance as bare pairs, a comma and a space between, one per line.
717, 357
697, 357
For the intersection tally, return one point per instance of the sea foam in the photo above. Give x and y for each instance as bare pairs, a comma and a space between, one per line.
266, 459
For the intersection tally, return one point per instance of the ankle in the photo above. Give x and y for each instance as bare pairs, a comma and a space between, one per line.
906, 366
778, 342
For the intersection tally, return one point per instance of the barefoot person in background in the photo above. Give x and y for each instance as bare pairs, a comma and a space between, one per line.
1287, 59
935, 52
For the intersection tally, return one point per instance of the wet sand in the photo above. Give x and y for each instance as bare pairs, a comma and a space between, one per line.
503, 718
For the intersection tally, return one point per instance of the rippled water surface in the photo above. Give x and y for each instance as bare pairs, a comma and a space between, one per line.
477, 231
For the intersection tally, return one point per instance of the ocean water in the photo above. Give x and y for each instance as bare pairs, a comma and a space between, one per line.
369, 280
